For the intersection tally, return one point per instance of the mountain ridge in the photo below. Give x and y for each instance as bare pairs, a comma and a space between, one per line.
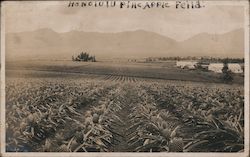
46, 43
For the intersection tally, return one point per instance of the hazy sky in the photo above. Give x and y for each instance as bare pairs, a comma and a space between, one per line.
177, 24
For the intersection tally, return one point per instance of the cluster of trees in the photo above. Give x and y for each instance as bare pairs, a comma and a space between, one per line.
177, 58
152, 59
84, 57
202, 59
222, 60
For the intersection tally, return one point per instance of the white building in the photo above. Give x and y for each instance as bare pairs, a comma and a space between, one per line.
216, 67
235, 68
186, 64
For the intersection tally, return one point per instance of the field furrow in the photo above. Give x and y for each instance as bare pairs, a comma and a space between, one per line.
117, 113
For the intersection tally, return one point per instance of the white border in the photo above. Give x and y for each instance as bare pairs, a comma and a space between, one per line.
2, 108
162, 154
246, 81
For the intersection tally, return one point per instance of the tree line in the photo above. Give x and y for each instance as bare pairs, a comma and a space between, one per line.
201, 59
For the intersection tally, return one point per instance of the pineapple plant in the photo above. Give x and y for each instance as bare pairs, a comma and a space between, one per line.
95, 118
176, 145
63, 148
166, 133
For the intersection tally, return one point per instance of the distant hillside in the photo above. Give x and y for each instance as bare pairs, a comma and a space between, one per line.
47, 44
230, 44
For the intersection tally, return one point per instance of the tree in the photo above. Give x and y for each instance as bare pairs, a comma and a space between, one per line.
84, 56
227, 74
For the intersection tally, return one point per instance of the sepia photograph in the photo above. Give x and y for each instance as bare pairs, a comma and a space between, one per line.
141, 78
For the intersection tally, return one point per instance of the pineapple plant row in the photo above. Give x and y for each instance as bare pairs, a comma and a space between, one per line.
83, 116
36, 115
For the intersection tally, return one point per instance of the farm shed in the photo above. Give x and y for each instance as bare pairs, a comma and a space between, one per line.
186, 64
235, 68
216, 67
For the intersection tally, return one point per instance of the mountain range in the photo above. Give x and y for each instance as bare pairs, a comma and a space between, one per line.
48, 44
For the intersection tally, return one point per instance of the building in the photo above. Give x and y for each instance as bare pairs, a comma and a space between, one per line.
216, 67
235, 68
186, 64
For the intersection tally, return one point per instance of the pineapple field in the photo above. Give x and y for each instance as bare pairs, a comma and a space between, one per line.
125, 78
115, 113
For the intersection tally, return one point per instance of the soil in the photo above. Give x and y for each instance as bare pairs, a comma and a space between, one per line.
121, 133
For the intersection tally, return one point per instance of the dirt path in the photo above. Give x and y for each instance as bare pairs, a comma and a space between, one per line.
120, 136
121, 133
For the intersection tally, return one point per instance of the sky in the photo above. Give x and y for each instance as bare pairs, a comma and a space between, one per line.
179, 24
